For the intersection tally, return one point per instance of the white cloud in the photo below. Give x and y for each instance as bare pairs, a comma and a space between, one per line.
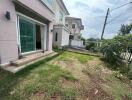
93, 14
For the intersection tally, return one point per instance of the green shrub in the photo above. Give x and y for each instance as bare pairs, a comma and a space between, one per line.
90, 45
130, 72
113, 48
112, 53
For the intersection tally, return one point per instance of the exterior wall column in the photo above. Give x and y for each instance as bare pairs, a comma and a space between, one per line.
50, 36
8, 33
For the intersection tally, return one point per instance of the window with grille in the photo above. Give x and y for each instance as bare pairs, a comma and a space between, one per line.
27, 36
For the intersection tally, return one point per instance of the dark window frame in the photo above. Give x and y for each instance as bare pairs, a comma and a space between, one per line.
56, 37
73, 26
66, 25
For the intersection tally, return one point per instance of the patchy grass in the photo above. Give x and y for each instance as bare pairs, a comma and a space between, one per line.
80, 57
114, 84
68, 76
118, 88
40, 82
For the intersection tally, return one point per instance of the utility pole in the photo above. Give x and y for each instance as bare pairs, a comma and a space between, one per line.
105, 22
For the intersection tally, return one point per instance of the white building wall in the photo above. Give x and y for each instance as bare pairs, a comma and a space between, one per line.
65, 38
8, 33
77, 43
70, 22
50, 37
59, 38
57, 11
59, 27
77, 28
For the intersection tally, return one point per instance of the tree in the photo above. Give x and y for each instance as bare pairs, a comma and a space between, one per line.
125, 29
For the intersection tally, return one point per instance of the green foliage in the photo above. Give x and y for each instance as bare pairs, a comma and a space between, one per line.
66, 56
125, 29
111, 51
68, 94
117, 88
130, 72
91, 46
43, 79
113, 48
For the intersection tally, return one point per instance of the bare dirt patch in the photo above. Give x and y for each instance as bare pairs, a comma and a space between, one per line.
96, 72
96, 93
91, 78
66, 83
37, 95
41, 95
90, 89
75, 67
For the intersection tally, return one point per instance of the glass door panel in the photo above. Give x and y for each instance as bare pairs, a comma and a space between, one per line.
27, 36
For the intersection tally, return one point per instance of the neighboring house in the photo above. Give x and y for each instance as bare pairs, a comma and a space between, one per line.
75, 26
60, 32
26, 27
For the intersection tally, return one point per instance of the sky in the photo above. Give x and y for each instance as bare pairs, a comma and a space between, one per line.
93, 14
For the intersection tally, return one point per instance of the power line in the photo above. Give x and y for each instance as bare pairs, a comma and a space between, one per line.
120, 7
107, 15
115, 18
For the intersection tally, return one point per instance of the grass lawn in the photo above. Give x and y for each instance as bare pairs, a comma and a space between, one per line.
68, 76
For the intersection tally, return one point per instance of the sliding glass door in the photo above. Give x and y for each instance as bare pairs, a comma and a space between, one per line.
27, 36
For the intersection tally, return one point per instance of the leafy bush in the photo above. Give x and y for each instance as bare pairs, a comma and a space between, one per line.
111, 51
92, 47
130, 72
113, 48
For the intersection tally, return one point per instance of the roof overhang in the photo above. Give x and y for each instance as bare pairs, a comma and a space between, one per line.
63, 6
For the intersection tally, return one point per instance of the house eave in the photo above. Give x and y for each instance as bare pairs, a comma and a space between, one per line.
47, 6
63, 6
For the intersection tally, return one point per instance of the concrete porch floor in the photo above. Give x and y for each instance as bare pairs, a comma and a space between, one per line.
20, 64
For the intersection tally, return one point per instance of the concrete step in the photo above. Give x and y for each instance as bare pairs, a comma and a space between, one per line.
23, 63
29, 58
